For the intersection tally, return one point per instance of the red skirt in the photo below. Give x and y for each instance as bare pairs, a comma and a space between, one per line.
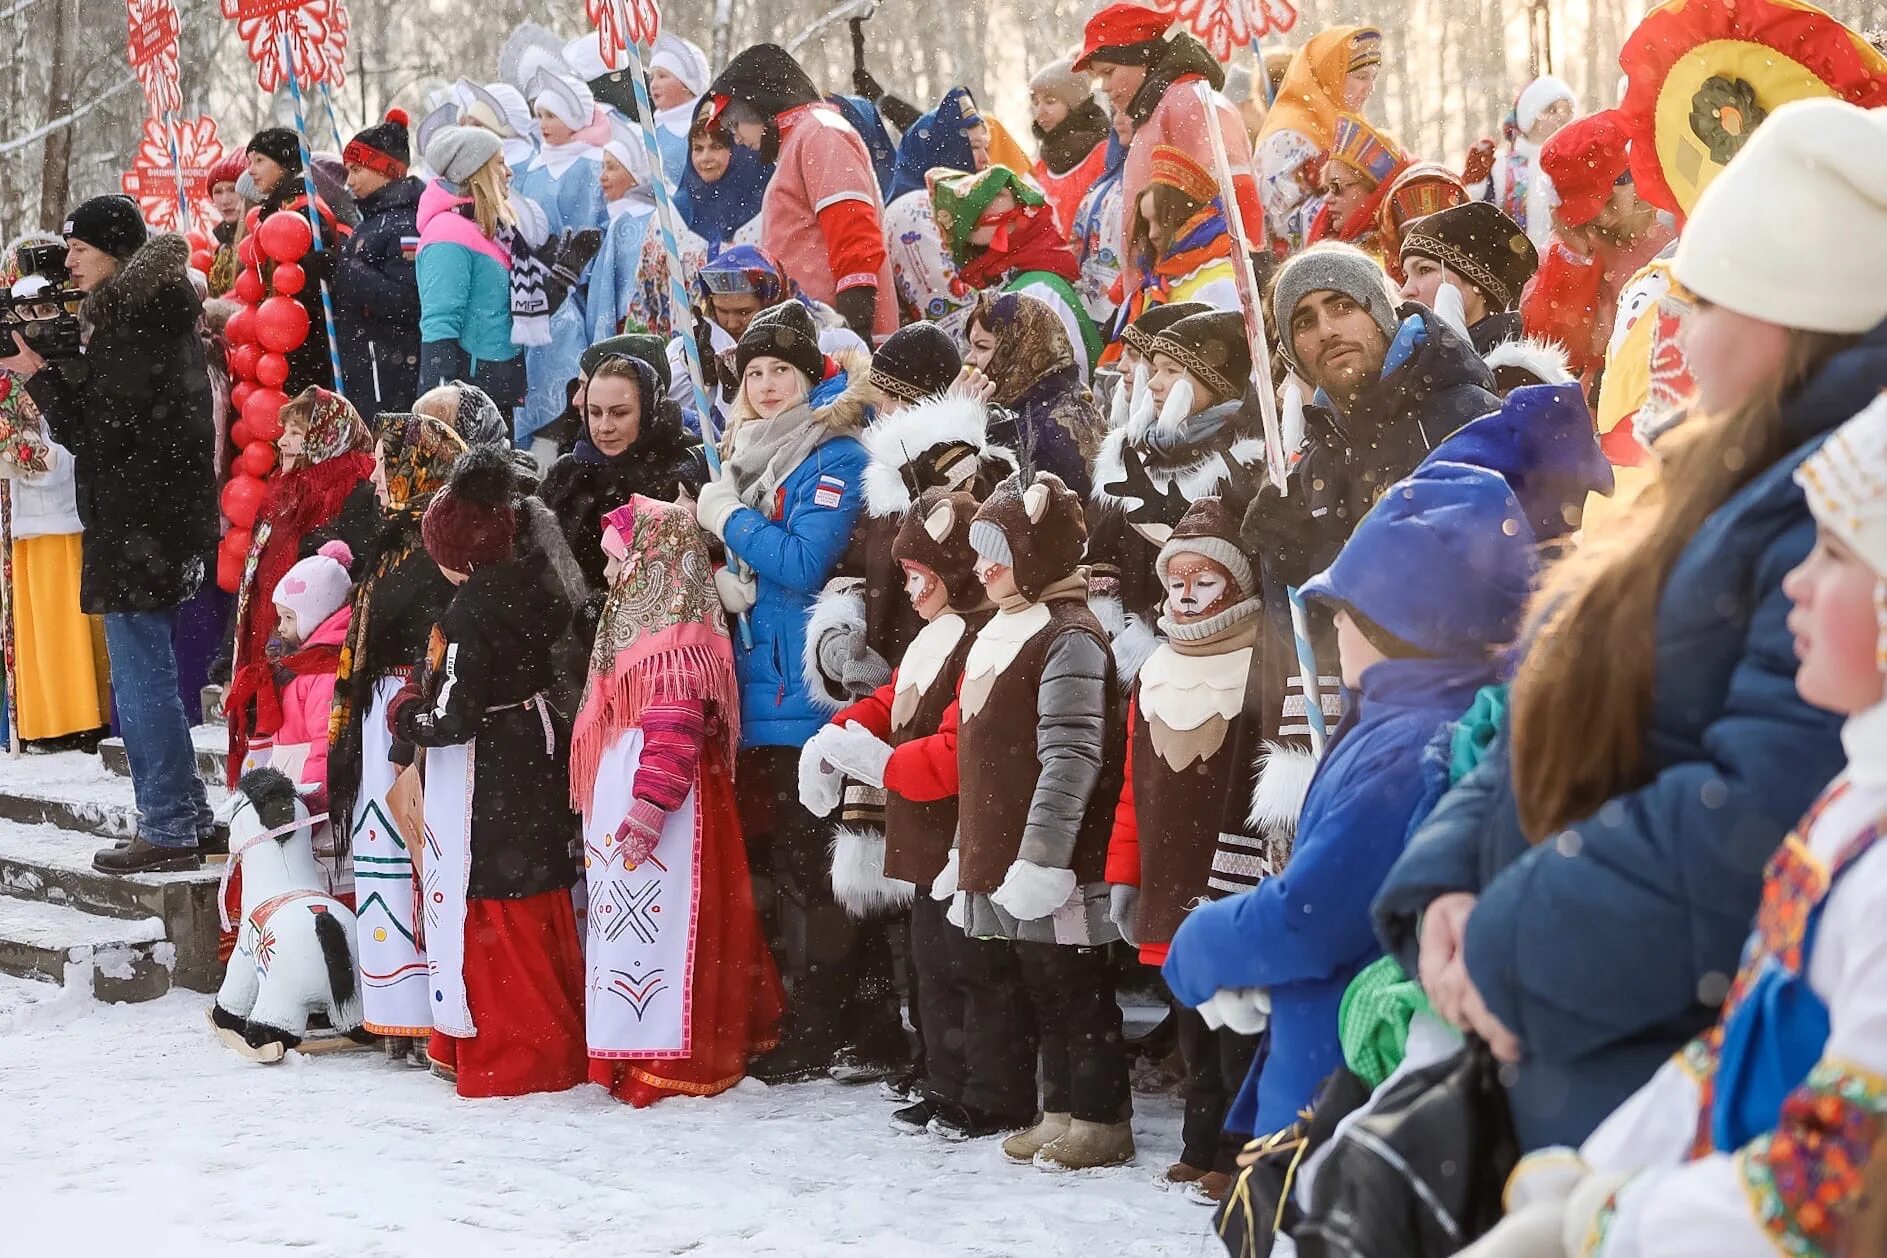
738, 1001
524, 984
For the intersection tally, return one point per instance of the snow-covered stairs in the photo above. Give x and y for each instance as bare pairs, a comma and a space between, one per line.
61, 921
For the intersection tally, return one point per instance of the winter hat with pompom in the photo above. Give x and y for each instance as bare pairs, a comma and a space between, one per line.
317, 587
383, 148
471, 523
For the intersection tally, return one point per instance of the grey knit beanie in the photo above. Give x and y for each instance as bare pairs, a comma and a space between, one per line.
457, 153
1238, 83
1336, 268
1059, 81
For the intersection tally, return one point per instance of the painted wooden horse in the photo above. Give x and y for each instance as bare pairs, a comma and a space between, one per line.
295, 951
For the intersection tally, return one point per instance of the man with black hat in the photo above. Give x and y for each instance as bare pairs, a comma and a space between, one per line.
376, 290
1487, 259
275, 164
135, 411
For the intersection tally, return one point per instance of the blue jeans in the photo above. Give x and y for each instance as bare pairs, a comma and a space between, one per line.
172, 806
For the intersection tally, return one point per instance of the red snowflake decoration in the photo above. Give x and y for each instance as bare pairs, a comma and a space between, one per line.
620, 23
152, 179
1225, 26
316, 31
151, 28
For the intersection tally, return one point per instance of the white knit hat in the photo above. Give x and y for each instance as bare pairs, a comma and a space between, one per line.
315, 588
1845, 482
1789, 232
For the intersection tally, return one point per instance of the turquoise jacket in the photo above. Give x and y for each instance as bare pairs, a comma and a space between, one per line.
464, 282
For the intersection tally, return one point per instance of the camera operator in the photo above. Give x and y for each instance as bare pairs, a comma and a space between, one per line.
135, 411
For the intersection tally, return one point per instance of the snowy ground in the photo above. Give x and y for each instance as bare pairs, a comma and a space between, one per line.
129, 1130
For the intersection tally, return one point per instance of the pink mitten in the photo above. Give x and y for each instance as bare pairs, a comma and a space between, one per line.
640, 831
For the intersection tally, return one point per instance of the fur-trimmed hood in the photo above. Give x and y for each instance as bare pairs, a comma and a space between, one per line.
894, 442
844, 416
1527, 360
150, 291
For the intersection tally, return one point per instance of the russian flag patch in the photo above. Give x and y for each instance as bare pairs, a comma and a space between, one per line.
829, 492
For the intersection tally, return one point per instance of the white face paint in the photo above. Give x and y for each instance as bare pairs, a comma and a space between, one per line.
1194, 585
929, 596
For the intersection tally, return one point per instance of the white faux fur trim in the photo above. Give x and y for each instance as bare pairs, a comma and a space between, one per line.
1195, 480
859, 883
1108, 610
1284, 775
1544, 359
840, 605
894, 440
1134, 645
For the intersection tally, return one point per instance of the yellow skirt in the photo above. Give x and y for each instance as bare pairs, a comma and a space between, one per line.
60, 652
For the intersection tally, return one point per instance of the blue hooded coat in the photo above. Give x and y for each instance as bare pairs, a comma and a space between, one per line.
938, 138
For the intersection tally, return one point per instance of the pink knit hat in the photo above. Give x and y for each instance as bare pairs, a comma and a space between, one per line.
315, 588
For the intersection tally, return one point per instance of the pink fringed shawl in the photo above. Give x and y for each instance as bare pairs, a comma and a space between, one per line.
662, 636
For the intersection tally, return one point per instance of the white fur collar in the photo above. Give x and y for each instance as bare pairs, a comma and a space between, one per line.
894, 440
928, 653
995, 649
1185, 691
1545, 360
1195, 479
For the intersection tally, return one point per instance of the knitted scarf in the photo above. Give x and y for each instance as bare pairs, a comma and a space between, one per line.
764, 452
1028, 241
1202, 240
254, 702
662, 637
530, 277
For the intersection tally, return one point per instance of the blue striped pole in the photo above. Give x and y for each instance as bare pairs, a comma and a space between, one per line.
176, 167
314, 215
334, 123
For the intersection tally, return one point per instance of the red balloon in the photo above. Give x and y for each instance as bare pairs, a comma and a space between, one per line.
198, 241
246, 251
271, 371
248, 289
285, 236
202, 260
242, 360
281, 324
262, 414
241, 328
290, 279
253, 217
239, 434
229, 570
241, 499
257, 459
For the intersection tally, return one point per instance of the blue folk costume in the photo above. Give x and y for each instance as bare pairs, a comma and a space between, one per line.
1305, 934
716, 211
865, 119
938, 138
628, 286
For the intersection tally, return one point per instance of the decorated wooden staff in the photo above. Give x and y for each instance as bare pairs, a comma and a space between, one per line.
6, 619
1275, 468
314, 214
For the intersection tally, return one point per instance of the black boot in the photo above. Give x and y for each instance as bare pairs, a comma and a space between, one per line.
140, 857
794, 1061
916, 1117
963, 1122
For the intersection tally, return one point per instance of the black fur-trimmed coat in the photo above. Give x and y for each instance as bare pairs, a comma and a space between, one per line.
136, 412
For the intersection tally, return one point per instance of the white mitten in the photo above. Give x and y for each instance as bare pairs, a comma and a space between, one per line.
1030, 891
738, 593
820, 785
858, 753
1548, 1175
1530, 1233
859, 883
944, 885
1244, 1010
717, 503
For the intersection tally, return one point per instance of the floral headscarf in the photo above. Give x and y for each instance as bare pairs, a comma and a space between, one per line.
1031, 343
334, 428
662, 636
417, 452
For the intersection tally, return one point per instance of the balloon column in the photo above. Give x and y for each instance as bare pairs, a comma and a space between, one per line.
261, 335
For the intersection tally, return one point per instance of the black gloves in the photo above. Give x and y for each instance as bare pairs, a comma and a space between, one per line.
858, 306
1280, 531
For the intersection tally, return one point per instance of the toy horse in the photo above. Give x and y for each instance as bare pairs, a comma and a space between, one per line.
295, 950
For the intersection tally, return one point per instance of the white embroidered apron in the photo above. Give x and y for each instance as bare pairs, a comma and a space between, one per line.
640, 954
445, 872
394, 989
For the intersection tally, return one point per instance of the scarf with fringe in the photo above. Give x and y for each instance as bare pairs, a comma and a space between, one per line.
662, 637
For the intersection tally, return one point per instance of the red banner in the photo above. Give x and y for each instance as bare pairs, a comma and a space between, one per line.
151, 29
152, 179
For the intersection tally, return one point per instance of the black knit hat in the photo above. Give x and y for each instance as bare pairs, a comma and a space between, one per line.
916, 362
1480, 244
279, 145
785, 332
111, 223
1213, 350
383, 148
1138, 335
936, 535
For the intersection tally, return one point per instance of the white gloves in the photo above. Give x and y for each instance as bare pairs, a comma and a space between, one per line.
1244, 1011
739, 592
820, 785
1122, 900
1030, 891
944, 885
718, 501
856, 752
954, 914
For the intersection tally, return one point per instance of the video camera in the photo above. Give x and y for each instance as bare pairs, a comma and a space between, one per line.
42, 307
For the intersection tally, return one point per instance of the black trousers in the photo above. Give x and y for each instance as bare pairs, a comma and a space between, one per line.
837, 969
1084, 1059
1216, 1065
979, 1028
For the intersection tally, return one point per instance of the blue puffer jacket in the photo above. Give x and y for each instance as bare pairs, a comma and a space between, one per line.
1607, 949
793, 550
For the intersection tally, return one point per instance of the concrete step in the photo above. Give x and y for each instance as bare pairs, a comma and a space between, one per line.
54, 866
212, 744
73, 791
120, 959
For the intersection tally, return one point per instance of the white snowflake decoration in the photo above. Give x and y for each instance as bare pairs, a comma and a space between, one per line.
1225, 26
152, 179
151, 28
316, 30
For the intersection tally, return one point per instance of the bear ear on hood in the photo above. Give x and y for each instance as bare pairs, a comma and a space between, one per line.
938, 522
1035, 502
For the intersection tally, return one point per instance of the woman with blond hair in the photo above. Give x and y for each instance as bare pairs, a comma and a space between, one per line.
481, 286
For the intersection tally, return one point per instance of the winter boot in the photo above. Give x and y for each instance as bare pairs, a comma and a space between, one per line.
852, 1066
794, 1061
906, 1085
915, 1117
1180, 1174
963, 1122
141, 857
1024, 1145
1209, 1189
1089, 1145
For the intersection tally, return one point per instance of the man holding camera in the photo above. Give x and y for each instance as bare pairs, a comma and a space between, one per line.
135, 410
